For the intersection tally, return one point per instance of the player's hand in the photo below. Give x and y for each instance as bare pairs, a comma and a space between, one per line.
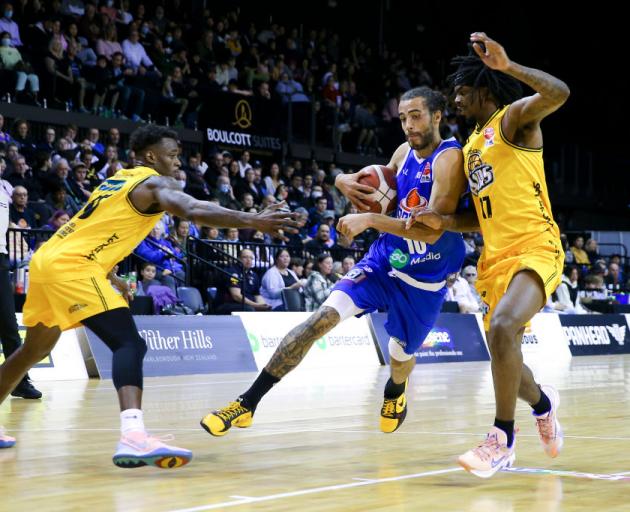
420, 215
277, 219
353, 224
357, 193
490, 52
122, 286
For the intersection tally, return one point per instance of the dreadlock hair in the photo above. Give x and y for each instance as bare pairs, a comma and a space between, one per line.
434, 100
472, 72
148, 135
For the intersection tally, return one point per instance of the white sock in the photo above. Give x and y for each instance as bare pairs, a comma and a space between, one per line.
131, 420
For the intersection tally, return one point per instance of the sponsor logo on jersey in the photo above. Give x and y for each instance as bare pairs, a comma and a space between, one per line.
355, 275
76, 307
412, 200
425, 174
94, 252
488, 134
398, 259
480, 175
432, 256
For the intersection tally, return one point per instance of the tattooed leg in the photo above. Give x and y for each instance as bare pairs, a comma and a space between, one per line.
298, 342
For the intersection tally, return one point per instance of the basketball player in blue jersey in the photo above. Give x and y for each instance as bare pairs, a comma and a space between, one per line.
404, 271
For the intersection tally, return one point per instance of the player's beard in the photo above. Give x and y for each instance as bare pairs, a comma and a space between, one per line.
426, 139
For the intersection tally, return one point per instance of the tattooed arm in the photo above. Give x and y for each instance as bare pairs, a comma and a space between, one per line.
298, 342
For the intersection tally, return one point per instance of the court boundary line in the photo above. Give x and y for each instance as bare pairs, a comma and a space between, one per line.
315, 490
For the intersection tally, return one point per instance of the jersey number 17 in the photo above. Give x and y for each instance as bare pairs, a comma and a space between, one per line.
486, 207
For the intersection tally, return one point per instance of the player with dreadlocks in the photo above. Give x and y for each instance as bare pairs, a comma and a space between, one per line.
522, 260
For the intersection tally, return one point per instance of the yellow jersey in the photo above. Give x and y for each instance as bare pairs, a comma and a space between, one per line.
100, 235
509, 192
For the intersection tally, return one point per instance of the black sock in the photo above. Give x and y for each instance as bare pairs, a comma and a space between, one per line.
261, 386
508, 428
393, 390
543, 406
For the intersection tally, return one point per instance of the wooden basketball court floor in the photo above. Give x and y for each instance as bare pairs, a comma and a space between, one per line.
315, 445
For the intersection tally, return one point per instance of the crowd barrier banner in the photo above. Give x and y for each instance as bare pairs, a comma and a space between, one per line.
184, 345
348, 344
544, 340
454, 338
591, 335
65, 362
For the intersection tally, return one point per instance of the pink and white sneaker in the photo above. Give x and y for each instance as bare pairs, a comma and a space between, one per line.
136, 449
5, 440
490, 456
549, 429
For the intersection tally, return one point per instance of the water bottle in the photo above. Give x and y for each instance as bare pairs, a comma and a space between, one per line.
45, 103
133, 282
19, 281
67, 106
8, 98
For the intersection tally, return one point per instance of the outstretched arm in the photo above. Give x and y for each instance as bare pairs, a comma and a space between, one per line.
163, 193
551, 92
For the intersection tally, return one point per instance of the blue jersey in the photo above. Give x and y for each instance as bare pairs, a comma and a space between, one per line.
422, 261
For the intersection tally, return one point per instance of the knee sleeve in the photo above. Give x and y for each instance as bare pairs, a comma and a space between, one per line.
397, 352
118, 331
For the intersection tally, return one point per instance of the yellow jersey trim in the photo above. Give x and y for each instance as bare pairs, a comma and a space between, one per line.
131, 204
516, 146
496, 112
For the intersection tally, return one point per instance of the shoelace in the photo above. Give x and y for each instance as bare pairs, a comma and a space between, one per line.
485, 450
545, 426
389, 407
231, 411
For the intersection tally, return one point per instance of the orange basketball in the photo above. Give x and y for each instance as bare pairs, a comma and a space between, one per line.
383, 179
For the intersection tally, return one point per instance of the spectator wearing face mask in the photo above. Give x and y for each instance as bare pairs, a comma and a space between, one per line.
225, 194
8, 25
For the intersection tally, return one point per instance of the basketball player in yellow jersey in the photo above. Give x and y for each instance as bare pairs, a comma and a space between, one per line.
522, 260
69, 284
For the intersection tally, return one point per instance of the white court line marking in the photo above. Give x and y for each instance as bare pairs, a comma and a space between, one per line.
622, 474
314, 490
239, 497
263, 432
360, 480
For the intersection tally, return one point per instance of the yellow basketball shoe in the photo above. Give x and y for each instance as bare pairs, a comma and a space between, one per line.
217, 423
393, 412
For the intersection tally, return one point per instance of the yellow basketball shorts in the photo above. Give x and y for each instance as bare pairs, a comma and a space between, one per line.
547, 261
67, 303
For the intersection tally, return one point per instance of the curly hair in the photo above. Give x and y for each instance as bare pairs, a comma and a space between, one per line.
148, 135
472, 72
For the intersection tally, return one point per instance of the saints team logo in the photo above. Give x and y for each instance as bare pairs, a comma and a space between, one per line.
412, 200
480, 175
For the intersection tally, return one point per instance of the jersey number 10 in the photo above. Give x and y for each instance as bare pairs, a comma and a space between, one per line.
486, 207
415, 246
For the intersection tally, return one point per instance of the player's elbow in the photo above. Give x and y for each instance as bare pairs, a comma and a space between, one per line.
563, 92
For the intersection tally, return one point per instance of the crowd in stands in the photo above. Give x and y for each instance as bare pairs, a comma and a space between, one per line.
160, 61
135, 60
